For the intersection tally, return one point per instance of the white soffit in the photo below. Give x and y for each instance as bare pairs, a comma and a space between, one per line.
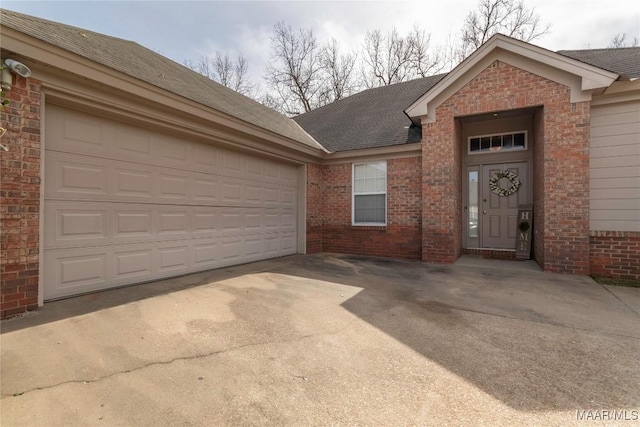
580, 77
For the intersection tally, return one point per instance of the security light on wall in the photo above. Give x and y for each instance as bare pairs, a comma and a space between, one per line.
18, 67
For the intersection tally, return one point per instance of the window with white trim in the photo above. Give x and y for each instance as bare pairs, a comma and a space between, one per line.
498, 142
369, 193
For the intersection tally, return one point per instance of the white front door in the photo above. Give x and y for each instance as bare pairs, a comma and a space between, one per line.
498, 213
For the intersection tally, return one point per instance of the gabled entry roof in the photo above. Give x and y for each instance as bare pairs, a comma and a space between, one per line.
581, 77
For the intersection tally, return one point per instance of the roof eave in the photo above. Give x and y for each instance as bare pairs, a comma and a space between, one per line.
41, 52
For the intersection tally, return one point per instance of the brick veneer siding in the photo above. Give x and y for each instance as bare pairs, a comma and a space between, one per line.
399, 239
314, 208
20, 199
441, 189
565, 165
615, 254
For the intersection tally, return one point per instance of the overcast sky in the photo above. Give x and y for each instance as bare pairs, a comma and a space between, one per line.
184, 30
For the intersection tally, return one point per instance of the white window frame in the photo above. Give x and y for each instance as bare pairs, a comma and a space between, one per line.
354, 194
473, 153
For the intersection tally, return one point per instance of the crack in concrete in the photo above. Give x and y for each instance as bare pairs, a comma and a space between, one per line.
193, 357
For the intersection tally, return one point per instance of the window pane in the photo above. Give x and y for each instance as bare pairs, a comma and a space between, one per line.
381, 184
507, 141
358, 171
370, 209
475, 144
496, 141
359, 185
518, 140
473, 204
485, 143
370, 185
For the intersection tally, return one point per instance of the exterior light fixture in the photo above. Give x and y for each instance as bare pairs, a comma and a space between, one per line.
18, 67
8, 66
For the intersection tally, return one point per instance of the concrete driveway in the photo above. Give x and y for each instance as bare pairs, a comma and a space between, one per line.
331, 339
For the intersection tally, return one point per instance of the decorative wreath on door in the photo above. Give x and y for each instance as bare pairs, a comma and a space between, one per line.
494, 183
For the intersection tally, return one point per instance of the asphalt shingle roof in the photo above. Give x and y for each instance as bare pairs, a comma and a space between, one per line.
625, 60
372, 118
139, 62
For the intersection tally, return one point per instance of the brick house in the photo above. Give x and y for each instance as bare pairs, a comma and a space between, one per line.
124, 167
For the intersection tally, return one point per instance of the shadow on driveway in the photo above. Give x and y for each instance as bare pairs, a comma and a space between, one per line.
535, 341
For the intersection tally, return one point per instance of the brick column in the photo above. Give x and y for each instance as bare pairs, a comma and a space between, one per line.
20, 199
441, 188
566, 187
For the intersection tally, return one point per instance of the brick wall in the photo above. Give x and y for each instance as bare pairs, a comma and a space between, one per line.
564, 166
615, 254
20, 199
314, 208
399, 239
441, 189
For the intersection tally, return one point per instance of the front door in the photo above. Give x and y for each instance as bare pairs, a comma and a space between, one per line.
499, 212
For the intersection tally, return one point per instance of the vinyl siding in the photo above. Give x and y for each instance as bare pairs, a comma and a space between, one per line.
615, 167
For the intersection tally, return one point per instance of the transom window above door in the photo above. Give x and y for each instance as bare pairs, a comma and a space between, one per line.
498, 142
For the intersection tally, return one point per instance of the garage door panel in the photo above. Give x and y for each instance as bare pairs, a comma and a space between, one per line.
132, 182
132, 224
206, 157
232, 163
232, 192
86, 224
76, 132
133, 144
75, 177
126, 205
173, 223
287, 197
174, 187
205, 221
205, 188
206, 254
66, 272
130, 264
174, 152
173, 257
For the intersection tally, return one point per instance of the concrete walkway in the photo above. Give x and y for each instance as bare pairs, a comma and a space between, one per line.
330, 339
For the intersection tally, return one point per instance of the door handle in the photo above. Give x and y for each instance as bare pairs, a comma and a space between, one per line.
484, 212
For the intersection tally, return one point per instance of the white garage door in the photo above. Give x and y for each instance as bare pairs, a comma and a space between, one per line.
125, 205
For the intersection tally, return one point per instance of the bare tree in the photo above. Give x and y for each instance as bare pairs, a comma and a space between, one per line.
426, 62
620, 40
509, 17
295, 70
390, 58
224, 70
339, 73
